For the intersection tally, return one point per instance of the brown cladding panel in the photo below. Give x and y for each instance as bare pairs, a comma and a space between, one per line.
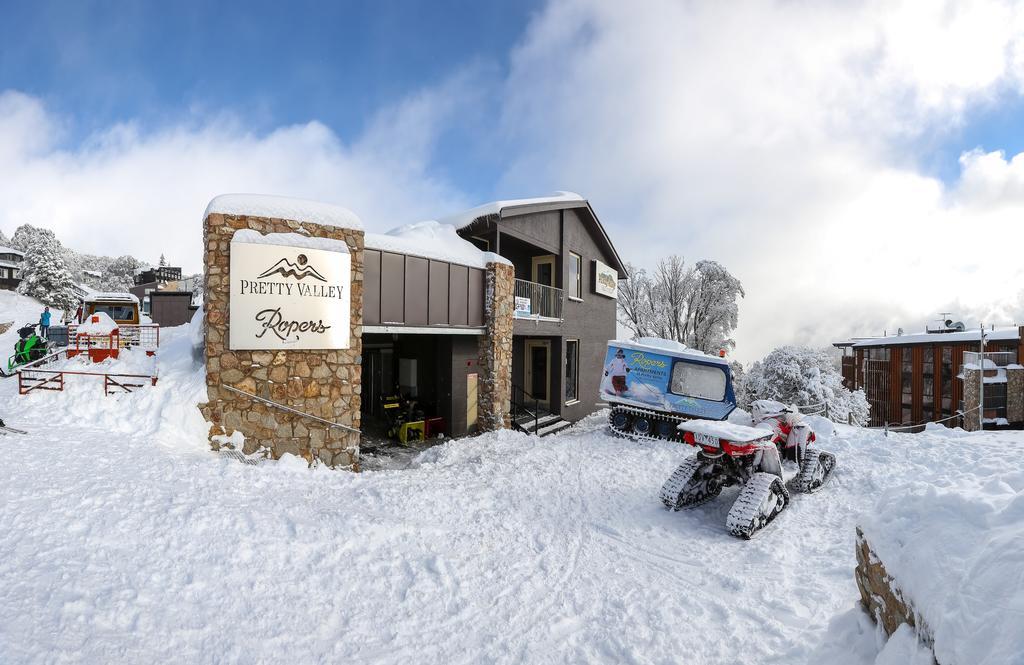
458, 295
437, 314
371, 287
392, 288
476, 297
416, 291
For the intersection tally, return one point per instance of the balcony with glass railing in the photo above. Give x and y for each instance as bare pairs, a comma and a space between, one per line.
537, 301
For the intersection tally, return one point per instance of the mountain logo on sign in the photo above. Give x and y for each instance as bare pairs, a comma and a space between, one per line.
299, 270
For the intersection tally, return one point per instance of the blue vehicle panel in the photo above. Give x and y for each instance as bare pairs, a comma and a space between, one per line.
643, 378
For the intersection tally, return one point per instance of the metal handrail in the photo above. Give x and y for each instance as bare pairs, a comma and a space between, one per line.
545, 301
518, 405
289, 409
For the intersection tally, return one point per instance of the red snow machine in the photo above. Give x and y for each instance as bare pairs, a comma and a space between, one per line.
754, 457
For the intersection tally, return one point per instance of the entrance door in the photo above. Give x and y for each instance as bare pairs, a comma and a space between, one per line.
538, 370
544, 270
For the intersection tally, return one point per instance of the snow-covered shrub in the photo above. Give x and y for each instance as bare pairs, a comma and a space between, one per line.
44, 275
803, 376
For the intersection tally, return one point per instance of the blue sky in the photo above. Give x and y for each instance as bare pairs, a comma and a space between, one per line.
822, 152
268, 63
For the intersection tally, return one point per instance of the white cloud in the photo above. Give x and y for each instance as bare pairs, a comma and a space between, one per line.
125, 191
779, 138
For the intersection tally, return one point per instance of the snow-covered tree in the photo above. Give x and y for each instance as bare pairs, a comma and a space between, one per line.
26, 236
803, 376
696, 305
163, 261
44, 275
3, 239
120, 274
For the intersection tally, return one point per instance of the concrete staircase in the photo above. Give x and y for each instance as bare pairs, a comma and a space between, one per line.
544, 425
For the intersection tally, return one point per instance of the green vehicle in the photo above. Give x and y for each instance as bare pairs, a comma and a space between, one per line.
29, 348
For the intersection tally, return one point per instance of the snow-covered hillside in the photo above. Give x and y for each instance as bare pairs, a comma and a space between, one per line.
17, 310
125, 540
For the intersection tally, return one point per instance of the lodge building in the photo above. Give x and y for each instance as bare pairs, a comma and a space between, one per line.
495, 317
424, 312
10, 268
913, 379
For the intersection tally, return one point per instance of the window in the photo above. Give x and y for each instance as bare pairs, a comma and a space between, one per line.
572, 370
702, 381
116, 312
946, 381
927, 384
907, 366
575, 285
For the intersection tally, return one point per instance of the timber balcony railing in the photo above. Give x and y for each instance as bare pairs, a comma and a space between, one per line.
537, 301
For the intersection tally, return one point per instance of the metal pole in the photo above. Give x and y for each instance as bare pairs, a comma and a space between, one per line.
981, 388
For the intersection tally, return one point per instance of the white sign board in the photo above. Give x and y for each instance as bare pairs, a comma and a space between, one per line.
522, 305
606, 280
289, 292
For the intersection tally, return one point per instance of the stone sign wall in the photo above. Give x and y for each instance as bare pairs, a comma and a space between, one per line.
322, 383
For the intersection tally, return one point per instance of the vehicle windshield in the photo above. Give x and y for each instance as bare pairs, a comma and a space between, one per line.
116, 311
701, 381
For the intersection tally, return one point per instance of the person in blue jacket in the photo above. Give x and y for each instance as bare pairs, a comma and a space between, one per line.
44, 323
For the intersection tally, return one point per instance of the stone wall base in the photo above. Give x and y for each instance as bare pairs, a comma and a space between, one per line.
881, 597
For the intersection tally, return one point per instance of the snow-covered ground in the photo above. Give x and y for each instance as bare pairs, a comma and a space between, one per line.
126, 540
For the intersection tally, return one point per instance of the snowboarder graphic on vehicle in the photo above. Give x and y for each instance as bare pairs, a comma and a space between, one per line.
683, 395
617, 371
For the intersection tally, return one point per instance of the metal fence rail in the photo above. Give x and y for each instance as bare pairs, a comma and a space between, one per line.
997, 358
143, 336
537, 301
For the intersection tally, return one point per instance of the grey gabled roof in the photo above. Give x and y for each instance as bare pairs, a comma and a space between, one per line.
495, 211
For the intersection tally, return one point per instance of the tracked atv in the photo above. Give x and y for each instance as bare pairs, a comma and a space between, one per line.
658, 389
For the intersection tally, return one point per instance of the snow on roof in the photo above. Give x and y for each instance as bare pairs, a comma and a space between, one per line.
666, 346
283, 207
11, 250
111, 296
940, 338
465, 218
249, 236
432, 240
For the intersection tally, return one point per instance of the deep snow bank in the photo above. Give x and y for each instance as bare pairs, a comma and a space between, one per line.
956, 550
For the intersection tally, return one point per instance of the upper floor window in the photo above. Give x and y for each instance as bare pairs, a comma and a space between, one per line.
575, 276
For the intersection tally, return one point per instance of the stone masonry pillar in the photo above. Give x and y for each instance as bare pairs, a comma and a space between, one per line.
321, 383
495, 351
972, 395
1015, 393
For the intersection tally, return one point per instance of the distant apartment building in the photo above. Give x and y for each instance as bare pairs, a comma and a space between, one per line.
164, 295
913, 379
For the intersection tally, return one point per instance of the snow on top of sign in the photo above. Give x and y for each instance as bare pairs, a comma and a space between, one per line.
939, 338
283, 207
11, 250
467, 217
671, 347
99, 323
432, 240
251, 237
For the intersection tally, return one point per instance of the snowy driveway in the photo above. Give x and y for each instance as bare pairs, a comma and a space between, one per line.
135, 545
